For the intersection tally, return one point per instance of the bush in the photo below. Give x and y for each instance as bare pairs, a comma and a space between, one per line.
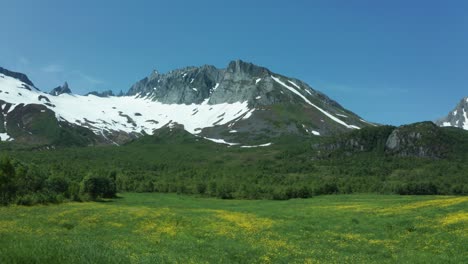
93, 187
57, 184
7, 181
327, 188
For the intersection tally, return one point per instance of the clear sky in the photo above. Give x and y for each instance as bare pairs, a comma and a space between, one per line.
391, 62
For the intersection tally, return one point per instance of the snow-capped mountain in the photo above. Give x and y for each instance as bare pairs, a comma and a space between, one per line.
458, 117
239, 103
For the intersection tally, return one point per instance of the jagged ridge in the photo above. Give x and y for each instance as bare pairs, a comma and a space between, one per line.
457, 117
243, 102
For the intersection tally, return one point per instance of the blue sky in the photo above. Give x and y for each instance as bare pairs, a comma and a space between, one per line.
391, 62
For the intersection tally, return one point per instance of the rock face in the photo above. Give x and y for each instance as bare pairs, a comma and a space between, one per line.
20, 76
458, 117
422, 140
240, 81
419, 140
101, 94
64, 89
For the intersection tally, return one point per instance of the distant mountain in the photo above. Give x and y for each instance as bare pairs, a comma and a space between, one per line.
458, 117
64, 89
242, 103
17, 75
101, 94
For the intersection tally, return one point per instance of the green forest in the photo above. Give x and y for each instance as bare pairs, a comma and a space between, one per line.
177, 162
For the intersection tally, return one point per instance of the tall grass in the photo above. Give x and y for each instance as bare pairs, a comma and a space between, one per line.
161, 228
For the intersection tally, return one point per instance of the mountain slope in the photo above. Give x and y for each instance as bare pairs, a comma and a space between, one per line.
421, 140
458, 117
277, 104
242, 103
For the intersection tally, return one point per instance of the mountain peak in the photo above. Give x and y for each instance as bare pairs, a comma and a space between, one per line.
61, 90
237, 66
458, 117
17, 75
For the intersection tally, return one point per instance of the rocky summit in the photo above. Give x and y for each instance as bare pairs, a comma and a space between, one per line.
458, 117
61, 90
240, 103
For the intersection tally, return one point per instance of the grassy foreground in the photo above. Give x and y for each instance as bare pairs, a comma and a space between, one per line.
155, 228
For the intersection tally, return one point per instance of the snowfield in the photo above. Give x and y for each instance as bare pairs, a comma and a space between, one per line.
126, 113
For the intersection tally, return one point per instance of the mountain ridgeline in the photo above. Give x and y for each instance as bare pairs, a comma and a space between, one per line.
243, 103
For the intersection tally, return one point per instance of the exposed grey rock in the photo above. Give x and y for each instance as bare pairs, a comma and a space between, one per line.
458, 117
20, 76
64, 89
393, 141
102, 94
184, 86
423, 139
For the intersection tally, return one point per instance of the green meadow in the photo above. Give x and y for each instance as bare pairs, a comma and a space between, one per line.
170, 228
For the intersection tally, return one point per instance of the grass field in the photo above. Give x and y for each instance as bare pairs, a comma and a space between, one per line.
159, 228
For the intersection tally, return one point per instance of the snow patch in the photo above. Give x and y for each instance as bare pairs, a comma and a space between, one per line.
316, 133
256, 146
297, 86
465, 123
258, 80
4, 137
258, 97
446, 124
248, 114
220, 141
362, 120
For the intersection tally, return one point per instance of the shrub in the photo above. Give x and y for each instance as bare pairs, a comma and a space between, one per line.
93, 187
57, 184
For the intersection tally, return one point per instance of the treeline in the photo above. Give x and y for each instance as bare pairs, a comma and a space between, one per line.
282, 171
303, 186
27, 185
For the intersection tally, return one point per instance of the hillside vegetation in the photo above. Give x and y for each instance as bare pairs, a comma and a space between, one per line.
174, 161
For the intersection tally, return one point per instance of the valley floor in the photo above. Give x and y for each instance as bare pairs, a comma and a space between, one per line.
161, 228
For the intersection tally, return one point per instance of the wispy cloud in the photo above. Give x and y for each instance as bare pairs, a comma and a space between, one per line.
88, 78
52, 68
